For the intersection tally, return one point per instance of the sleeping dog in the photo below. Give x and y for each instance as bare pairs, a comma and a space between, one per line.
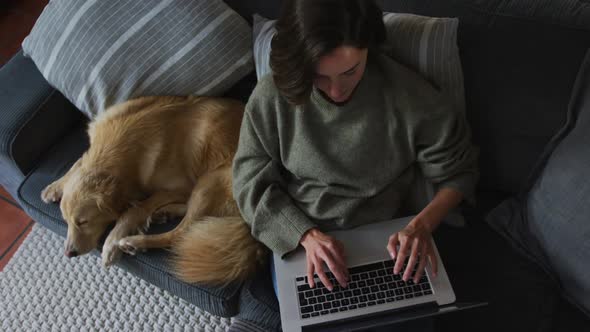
155, 158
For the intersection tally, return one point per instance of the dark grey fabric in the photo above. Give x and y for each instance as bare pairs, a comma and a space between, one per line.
266, 8
33, 116
150, 266
258, 303
243, 88
550, 221
520, 58
240, 325
483, 266
58, 160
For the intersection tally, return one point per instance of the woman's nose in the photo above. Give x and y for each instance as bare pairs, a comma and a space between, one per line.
336, 91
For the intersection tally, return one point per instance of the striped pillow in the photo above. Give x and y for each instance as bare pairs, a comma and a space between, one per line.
428, 45
99, 53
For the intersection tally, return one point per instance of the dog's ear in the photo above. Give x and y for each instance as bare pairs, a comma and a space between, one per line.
107, 191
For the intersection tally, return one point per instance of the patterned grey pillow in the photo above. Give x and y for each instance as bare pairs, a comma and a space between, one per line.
99, 53
428, 45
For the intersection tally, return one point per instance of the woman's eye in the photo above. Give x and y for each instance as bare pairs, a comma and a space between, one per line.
350, 73
82, 222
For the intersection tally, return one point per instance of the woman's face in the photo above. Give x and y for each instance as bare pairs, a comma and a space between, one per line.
339, 72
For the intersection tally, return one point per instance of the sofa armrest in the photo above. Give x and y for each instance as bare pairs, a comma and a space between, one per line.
33, 117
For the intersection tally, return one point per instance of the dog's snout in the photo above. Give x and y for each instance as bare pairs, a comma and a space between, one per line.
70, 250
71, 253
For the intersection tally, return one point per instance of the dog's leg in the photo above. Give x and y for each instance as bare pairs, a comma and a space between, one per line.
168, 212
53, 192
135, 219
211, 197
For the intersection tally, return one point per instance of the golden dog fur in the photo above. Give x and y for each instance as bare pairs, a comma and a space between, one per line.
160, 157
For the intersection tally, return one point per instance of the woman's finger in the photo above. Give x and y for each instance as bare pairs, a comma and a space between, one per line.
423, 259
337, 269
401, 256
413, 258
310, 272
392, 245
337, 254
319, 270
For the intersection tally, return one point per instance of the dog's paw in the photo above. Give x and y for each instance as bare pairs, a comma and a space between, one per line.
51, 194
128, 246
159, 217
110, 255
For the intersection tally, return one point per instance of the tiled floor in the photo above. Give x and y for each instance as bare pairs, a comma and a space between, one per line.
15, 225
16, 20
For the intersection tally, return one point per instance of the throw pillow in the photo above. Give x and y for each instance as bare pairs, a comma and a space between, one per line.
99, 53
428, 45
549, 221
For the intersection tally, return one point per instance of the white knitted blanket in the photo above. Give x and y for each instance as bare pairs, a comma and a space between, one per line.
42, 290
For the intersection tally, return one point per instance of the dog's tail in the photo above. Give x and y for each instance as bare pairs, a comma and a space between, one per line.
217, 251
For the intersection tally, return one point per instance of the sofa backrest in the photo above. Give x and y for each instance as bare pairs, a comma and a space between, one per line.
520, 59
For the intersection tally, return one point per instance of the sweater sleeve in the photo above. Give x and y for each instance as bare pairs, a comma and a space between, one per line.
444, 150
258, 183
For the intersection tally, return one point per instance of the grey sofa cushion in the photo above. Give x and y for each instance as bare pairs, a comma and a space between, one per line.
520, 58
550, 221
248, 8
259, 307
27, 104
100, 53
151, 265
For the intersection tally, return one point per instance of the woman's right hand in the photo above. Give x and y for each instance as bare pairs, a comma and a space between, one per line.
321, 248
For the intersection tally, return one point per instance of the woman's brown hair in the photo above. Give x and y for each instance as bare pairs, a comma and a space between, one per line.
310, 29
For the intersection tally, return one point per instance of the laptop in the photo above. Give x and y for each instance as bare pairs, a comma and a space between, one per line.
373, 290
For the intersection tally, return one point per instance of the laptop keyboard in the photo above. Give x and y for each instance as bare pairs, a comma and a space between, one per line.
368, 285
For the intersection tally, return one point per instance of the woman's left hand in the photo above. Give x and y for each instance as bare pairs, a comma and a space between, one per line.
414, 241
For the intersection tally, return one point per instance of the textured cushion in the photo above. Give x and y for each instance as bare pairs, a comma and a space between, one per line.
151, 266
259, 307
550, 221
33, 117
99, 53
426, 44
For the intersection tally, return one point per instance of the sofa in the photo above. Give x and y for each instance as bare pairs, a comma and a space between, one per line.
520, 60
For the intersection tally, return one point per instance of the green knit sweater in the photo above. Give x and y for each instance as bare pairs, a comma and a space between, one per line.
335, 167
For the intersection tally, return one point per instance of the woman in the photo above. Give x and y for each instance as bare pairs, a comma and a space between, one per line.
336, 135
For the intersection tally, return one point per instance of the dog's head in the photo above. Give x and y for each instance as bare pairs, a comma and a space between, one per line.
91, 202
